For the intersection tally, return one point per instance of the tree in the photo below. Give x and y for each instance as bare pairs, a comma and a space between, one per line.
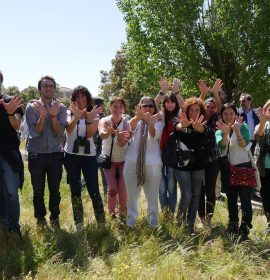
199, 39
12, 90
117, 83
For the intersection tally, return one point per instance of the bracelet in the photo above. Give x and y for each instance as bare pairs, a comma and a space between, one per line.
89, 122
161, 93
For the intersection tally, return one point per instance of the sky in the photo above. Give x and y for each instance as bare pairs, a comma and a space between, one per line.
71, 40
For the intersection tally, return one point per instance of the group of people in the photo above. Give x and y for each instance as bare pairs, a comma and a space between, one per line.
187, 142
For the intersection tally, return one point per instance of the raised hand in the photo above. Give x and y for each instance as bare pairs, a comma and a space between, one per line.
237, 123
204, 90
184, 120
138, 113
94, 113
262, 115
76, 111
108, 127
41, 109
163, 84
175, 85
15, 103
54, 109
224, 127
198, 124
123, 135
217, 86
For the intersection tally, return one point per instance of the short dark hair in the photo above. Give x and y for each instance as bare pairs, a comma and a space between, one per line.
97, 100
1, 77
47, 77
82, 90
118, 99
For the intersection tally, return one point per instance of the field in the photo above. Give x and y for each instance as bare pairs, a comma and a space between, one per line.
119, 253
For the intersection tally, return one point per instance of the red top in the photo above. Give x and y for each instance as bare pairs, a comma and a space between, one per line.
167, 130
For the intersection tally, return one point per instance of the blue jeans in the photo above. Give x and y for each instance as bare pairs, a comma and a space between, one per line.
167, 190
190, 186
75, 164
9, 198
39, 166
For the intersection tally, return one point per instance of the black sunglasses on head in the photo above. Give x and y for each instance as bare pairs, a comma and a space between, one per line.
148, 106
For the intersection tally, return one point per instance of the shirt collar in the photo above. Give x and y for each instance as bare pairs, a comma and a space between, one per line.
43, 104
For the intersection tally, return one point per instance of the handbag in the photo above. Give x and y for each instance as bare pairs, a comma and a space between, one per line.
104, 161
254, 165
242, 176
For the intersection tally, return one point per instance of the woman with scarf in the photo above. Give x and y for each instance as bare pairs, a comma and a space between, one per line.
143, 161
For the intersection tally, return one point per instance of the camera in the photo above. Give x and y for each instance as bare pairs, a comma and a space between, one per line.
81, 141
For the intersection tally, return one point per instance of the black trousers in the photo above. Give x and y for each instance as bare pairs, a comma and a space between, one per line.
208, 190
265, 194
40, 166
245, 198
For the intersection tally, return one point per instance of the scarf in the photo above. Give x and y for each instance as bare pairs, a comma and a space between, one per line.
140, 168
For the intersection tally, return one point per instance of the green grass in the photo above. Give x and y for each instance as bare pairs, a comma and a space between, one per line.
118, 253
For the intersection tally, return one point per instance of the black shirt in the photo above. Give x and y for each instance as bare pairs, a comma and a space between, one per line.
8, 135
193, 140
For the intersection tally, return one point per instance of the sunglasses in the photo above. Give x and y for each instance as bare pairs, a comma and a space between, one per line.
148, 106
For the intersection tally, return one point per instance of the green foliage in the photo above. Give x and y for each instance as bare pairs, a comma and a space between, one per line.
116, 82
199, 39
13, 90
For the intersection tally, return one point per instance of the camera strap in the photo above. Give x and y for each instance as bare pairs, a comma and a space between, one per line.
78, 122
113, 136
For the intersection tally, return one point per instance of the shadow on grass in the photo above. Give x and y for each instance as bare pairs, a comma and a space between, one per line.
17, 255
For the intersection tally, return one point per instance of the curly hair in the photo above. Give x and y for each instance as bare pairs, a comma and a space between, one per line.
83, 90
193, 101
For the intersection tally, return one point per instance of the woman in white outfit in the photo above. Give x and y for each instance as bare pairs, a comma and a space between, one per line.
143, 161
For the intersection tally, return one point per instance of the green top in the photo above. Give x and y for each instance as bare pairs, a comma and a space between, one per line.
244, 131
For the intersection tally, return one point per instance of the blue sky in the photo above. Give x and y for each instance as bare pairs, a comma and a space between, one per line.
71, 40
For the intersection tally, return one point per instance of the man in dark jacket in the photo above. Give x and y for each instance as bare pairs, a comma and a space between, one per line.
11, 166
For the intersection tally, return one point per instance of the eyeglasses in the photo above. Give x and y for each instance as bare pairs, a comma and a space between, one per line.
48, 86
147, 105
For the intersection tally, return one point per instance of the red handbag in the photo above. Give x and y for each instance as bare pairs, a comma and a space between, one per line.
242, 176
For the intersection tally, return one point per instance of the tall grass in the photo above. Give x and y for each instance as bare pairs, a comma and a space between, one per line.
119, 253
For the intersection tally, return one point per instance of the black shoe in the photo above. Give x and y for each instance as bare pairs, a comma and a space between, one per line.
42, 223
232, 228
244, 231
55, 224
256, 196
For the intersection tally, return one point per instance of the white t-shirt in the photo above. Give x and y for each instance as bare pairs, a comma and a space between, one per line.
118, 152
71, 137
153, 155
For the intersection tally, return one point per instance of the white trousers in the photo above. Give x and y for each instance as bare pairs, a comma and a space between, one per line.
151, 191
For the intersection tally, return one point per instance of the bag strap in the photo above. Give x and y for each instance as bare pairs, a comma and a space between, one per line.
113, 136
